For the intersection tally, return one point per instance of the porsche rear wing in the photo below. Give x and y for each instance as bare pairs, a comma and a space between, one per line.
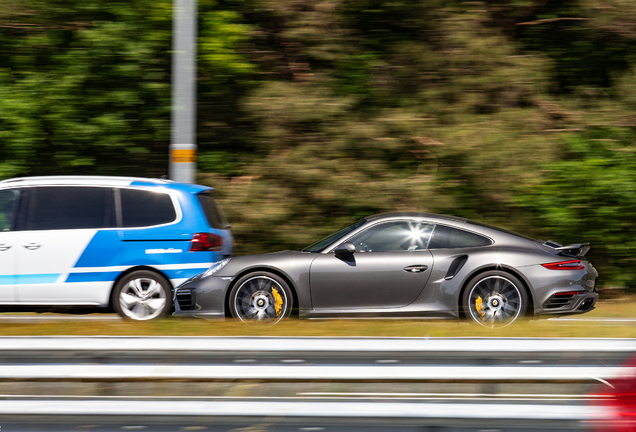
574, 250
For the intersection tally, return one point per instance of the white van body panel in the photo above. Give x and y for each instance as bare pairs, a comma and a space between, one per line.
8, 271
46, 258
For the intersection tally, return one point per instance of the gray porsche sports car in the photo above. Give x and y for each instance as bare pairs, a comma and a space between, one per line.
408, 265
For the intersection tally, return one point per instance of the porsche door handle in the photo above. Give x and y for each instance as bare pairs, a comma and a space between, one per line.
416, 268
32, 246
4, 247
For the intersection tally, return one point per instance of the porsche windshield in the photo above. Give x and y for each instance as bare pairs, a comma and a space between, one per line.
321, 244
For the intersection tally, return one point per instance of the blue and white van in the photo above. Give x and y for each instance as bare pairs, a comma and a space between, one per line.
105, 241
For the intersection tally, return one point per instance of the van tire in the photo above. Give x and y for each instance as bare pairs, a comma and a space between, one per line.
142, 295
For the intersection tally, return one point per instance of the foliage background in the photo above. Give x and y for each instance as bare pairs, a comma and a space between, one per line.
311, 114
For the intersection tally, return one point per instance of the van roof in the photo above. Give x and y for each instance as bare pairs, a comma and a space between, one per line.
96, 181
80, 180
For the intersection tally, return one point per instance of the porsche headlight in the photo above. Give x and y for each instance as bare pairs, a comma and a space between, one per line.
215, 268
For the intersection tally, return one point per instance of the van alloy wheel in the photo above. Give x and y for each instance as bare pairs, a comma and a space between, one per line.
142, 296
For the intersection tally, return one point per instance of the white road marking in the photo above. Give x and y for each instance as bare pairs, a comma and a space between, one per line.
480, 396
602, 320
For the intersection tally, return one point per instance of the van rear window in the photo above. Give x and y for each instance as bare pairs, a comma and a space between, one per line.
142, 208
212, 211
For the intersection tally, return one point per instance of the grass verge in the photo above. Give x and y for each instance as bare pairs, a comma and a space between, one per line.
616, 308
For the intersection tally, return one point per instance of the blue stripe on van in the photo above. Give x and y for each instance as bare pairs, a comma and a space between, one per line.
92, 277
111, 276
103, 250
88, 277
37, 278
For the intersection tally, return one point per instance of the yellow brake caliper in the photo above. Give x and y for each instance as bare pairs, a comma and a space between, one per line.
480, 307
279, 301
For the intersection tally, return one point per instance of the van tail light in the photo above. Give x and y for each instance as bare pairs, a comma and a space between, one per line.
206, 242
565, 265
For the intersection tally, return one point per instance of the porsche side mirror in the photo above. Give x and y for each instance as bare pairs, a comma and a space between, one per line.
346, 248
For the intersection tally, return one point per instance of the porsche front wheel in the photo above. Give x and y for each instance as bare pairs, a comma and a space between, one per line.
260, 298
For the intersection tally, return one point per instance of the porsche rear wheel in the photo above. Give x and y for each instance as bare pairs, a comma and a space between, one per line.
260, 298
495, 299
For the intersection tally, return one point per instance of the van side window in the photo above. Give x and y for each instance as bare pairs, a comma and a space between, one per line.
8, 207
141, 208
63, 207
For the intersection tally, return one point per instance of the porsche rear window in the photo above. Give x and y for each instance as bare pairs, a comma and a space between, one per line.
446, 238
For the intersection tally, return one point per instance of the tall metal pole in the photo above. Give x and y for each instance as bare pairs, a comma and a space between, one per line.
183, 148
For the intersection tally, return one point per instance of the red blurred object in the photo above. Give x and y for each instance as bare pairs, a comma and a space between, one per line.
206, 242
619, 403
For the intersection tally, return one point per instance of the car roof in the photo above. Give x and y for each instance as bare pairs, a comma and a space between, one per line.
432, 216
100, 181
482, 228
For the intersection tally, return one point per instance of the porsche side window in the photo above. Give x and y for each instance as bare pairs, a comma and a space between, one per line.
446, 238
8, 206
394, 237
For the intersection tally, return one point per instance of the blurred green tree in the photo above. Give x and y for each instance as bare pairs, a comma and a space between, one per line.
313, 113
85, 86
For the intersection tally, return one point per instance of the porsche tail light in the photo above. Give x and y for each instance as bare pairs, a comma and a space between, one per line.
206, 242
565, 265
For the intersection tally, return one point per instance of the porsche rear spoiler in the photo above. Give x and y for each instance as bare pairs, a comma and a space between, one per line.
574, 250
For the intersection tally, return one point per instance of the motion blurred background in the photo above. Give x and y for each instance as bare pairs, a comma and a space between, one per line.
311, 114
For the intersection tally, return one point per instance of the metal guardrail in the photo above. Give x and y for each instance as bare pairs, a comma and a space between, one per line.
355, 345
185, 360
295, 373
262, 409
